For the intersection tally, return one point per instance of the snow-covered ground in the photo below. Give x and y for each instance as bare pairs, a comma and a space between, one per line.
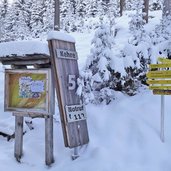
124, 135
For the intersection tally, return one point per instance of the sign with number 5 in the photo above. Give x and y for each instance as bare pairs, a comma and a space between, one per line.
72, 82
73, 115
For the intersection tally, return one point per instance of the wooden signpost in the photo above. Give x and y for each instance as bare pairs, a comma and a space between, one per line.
159, 80
65, 69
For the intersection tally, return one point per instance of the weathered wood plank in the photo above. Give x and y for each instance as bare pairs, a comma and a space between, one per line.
75, 133
49, 158
31, 115
25, 57
18, 148
59, 95
26, 62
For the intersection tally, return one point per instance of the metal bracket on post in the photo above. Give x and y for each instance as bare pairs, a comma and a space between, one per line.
75, 155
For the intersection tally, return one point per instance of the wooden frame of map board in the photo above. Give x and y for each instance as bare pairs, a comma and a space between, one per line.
28, 91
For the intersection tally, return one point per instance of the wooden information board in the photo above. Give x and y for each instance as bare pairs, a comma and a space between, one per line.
27, 91
65, 70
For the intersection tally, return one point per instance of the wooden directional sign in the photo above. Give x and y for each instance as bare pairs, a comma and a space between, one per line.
72, 111
162, 92
159, 74
160, 87
153, 66
164, 60
159, 80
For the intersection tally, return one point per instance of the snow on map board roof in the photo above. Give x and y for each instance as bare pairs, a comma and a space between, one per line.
60, 36
22, 48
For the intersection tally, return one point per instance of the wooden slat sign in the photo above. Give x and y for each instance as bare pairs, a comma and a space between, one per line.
72, 111
159, 80
162, 92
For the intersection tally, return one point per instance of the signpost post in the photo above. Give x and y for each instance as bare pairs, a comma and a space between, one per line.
65, 69
159, 80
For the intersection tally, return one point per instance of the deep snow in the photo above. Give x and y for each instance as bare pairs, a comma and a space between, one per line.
124, 135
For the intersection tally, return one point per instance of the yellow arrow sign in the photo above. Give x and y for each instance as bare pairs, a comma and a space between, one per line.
152, 66
162, 92
164, 60
159, 81
160, 87
159, 74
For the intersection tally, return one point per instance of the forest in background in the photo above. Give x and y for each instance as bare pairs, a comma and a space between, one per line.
32, 19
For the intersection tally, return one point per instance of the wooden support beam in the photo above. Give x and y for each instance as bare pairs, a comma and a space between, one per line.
49, 158
18, 148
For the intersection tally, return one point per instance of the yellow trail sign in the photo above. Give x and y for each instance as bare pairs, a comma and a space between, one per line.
160, 87
159, 74
159, 81
164, 60
162, 92
153, 66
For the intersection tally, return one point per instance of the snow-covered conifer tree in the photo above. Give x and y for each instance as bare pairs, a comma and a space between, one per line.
16, 22
36, 21
48, 15
98, 64
68, 16
3, 13
162, 35
113, 12
136, 25
141, 47
92, 11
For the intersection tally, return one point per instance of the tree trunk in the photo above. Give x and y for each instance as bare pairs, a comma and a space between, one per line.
57, 15
122, 5
145, 10
166, 8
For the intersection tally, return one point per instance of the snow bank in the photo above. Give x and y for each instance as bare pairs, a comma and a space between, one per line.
22, 48
60, 36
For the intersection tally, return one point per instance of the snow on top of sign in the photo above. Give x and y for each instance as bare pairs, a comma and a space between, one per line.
60, 36
22, 48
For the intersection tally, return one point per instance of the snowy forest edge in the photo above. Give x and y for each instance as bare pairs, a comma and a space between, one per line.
105, 71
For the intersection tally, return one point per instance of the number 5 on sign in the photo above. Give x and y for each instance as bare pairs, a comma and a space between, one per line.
72, 82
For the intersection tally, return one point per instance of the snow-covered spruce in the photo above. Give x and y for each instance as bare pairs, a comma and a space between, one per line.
95, 80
